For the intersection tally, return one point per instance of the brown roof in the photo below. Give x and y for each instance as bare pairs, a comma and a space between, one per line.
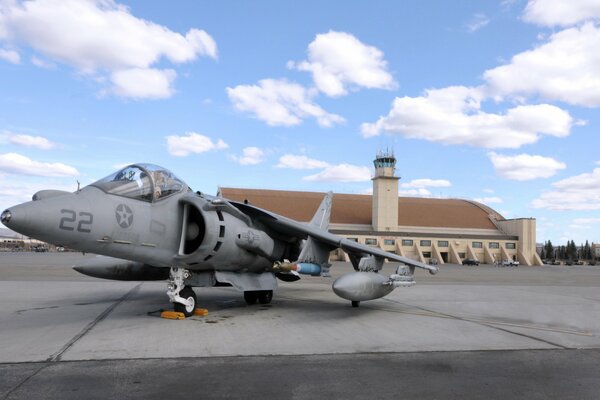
356, 208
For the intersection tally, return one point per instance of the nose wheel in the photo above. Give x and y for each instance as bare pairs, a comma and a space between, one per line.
187, 309
182, 297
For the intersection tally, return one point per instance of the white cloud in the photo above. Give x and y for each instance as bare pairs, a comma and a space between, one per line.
423, 183
13, 163
19, 191
566, 68
300, 162
280, 103
418, 187
584, 223
95, 36
192, 142
525, 167
488, 191
488, 200
341, 173
38, 62
507, 4
419, 192
10, 55
580, 192
339, 61
478, 21
453, 115
251, 156
561, 13
30, 141
140, 83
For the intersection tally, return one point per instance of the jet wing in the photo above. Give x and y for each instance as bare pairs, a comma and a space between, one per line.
289, 227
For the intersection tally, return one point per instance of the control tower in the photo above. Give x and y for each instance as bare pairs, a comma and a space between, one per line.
385, 193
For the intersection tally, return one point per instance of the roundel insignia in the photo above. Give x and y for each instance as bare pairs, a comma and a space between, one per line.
124, 216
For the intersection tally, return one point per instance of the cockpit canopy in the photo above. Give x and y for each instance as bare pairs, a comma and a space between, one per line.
145, 182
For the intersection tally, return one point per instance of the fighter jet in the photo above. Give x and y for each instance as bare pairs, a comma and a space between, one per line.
146, 224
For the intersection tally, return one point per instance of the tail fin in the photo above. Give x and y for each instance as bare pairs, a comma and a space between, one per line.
314, 251
323, 214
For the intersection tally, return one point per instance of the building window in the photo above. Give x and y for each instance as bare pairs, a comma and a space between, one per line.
511, 246
371, 242
494, 245
407, 242
389, 242
442, 243
425, 243
477, 245
462, 255
353, 239
427, 254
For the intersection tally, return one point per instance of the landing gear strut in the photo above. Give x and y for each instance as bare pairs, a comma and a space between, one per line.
182, 297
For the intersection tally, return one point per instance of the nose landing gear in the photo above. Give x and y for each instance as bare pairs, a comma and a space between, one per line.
182, 297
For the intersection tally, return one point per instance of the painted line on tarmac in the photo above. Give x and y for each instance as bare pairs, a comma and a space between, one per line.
58, 355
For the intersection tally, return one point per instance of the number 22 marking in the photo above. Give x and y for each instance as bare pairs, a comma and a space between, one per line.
67, 222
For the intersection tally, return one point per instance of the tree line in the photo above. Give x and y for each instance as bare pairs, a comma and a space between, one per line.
569, 252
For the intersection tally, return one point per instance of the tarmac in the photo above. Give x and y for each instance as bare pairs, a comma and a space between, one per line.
466, 333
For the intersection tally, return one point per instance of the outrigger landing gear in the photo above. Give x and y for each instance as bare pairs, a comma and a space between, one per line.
182, 297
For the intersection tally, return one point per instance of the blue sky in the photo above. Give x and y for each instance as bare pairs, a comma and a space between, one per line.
493, 100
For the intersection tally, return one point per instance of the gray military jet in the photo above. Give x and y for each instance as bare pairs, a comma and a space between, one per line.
149, 225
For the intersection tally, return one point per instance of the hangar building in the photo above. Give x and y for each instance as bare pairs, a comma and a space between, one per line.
424, 229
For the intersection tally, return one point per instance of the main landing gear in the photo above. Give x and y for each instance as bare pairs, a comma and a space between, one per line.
263, 296
182, 297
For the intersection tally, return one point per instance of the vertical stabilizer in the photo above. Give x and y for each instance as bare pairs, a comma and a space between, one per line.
314, 251
323, 214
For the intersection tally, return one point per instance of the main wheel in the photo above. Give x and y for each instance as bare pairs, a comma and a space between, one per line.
188, 294
355, 303
265, 296
251, 296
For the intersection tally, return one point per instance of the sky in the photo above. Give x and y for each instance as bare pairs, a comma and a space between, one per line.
493, 101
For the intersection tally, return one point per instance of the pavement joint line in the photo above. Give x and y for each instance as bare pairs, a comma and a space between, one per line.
58, 355
435, 314
47, 364
528, 336
563, 294
488, 324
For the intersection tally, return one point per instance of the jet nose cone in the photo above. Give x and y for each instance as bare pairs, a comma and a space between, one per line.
16, 218
6, 217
